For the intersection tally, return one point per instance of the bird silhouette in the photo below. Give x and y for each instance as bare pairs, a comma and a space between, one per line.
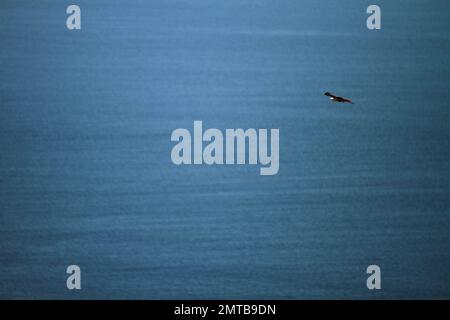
338, 99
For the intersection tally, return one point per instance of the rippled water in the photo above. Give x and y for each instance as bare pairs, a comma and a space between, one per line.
86, 176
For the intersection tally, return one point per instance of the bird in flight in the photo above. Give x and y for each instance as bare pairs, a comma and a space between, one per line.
337, 98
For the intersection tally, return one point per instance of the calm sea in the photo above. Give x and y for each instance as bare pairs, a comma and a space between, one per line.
86, 176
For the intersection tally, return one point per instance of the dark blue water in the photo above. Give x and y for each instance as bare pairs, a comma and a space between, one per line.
86, 176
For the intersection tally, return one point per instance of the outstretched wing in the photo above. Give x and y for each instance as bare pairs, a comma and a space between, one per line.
330, 94
347, 100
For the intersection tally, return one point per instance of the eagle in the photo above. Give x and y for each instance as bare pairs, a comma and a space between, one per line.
337, 98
